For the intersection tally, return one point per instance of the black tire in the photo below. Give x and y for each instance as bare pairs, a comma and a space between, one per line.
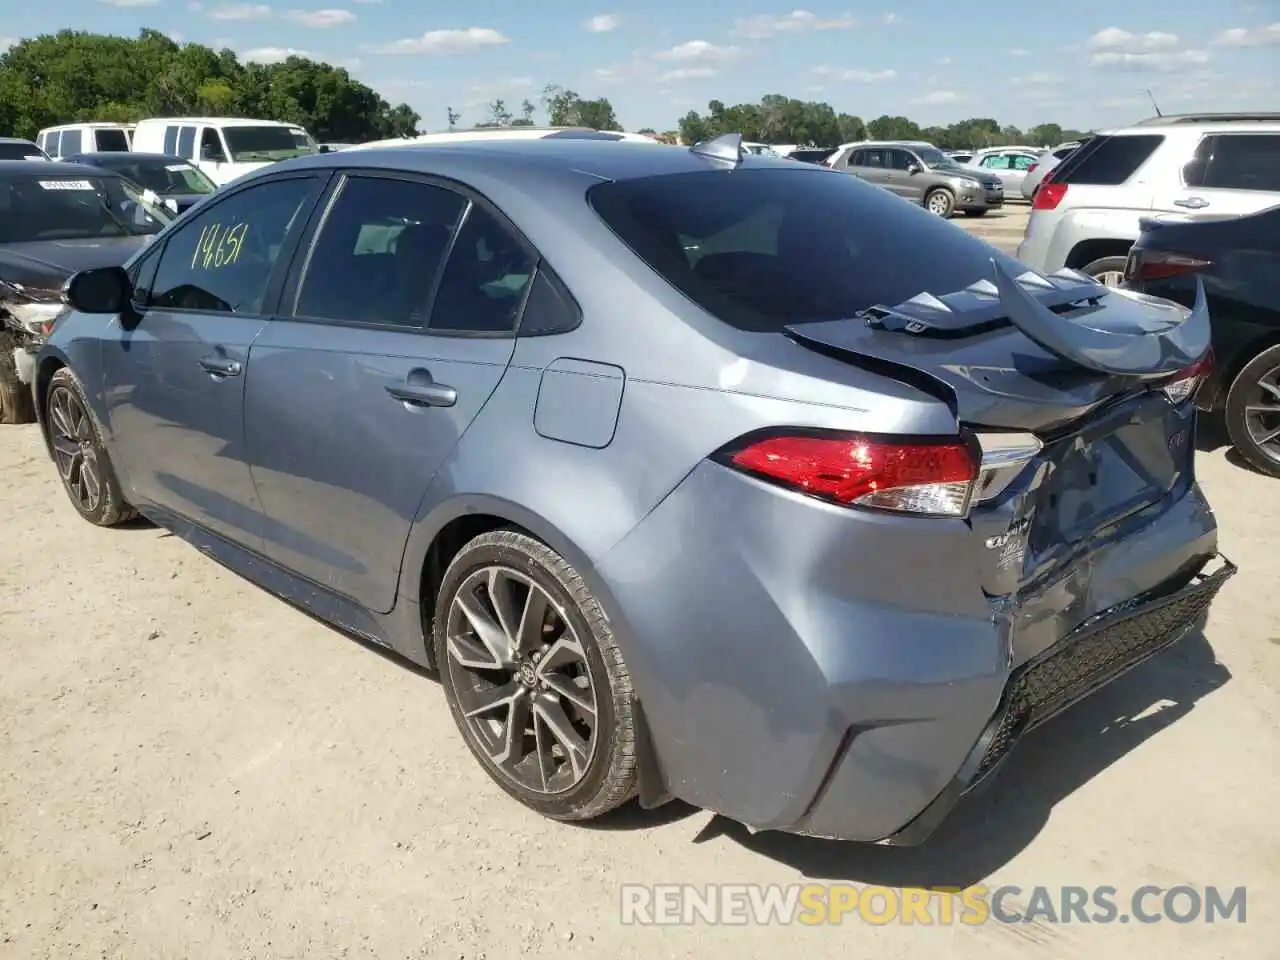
1105, 265
609, 777
74, 432
16, 405
977, 213
936, 197
1246, 391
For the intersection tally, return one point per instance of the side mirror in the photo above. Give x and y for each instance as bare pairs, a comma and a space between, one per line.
102, 290
914, 168
325, 148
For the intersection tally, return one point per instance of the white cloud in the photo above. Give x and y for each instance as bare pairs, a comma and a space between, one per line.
7, 42
699, 53
855, 76
688, 73
445, 42
945, 62
1268, 36
893, 20
126, 4
321, 19
240, 11
272, 54
939, 98
797, 21
1019, 52
603, 23
1157, 50
1040, 78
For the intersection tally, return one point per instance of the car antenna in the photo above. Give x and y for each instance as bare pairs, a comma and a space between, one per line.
727, 147
1152, 97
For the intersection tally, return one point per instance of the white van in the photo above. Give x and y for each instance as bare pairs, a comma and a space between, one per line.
68, 139
223, 147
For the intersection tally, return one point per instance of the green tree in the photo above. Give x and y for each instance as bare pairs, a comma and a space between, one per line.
527, 110
499, 115
455, 117
566, 109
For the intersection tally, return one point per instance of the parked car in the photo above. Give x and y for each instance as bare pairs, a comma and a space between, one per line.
1087, 216
922, 174
15, 148
68, 139
669, 474
960, 157
488, 134
1237, 260
223, 147
1045, 162
55, 219
811, 154
174, 182
1009, 164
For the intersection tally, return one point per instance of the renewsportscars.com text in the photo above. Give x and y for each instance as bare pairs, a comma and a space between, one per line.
816, 904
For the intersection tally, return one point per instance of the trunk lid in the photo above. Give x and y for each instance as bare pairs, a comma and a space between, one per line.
1078, 365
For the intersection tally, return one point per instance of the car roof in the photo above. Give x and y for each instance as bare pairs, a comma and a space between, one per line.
17, 140
92, 157
221, 121
28, 169
602, 159
96, 124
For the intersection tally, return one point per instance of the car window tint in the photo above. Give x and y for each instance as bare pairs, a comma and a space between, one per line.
1244, 162
484, 280
55, 141
762, 249
379, 252
1020, 161
1107, 161
112, 141
211, 146
71, 142
186, 140
900, 159
222, 258
549, 308
993, 161
171, 140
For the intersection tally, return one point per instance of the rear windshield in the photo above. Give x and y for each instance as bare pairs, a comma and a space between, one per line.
63, 207
20, 150
761, 249
112, 141
1107, 161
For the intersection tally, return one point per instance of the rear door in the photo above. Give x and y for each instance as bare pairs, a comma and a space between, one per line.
397, 325
174, 383
872, 166
1229, 174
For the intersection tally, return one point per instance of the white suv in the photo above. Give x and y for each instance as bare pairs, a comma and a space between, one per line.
1086, 214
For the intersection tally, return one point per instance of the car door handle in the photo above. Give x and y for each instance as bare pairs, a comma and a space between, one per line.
221, 366
1192, 203
424, 394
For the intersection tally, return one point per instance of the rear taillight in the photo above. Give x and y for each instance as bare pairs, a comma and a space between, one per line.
1032, 167
1049, 195
1147, 265
1184, 383
925, 477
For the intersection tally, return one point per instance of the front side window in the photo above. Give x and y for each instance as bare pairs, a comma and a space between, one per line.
211, 146
901, 159
74, 208
994, 161
263, 144
379, 252
222, 259
761, 249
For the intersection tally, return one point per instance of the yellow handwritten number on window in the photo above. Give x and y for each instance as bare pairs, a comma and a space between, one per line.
218, 245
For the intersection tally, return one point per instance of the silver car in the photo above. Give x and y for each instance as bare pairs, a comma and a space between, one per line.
1009, 164
693, 473
923, 174
1046, 161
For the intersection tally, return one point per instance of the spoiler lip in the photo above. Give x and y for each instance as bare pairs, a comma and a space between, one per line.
1147, 353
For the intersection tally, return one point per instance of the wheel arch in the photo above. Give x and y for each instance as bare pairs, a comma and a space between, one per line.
1087, 251
50, 363
453, 524
1235, 363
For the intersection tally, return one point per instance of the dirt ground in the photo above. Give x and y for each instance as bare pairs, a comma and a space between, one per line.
190, 768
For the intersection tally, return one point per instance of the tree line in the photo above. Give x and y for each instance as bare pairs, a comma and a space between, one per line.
77, 76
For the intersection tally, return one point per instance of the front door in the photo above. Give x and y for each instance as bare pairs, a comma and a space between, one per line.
401, 327
902, 181
174, 381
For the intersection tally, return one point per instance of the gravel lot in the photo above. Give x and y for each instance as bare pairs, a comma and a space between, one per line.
190, 768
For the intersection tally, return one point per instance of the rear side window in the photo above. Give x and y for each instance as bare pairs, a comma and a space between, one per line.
761, 249
112, 141
171, 140
71, 142
1107, 161
53, 142
1236, 161
186, 141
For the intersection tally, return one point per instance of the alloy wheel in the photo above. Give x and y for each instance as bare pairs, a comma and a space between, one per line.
939, 205
1262, 414
73, 449
522, 680
1110, 278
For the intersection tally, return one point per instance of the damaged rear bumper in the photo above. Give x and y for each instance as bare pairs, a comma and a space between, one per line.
1094, 654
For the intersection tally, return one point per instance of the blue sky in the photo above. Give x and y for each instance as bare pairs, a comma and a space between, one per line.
1083, 65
